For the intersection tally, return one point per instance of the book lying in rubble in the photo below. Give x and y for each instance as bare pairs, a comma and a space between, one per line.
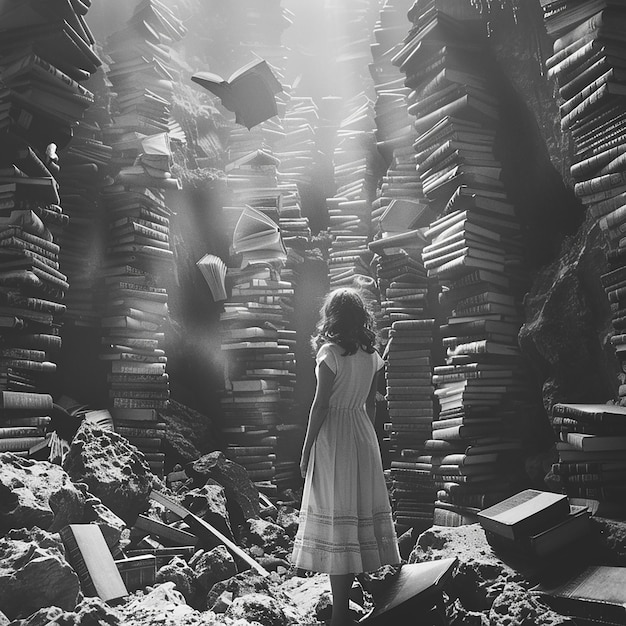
249, 92
597, 593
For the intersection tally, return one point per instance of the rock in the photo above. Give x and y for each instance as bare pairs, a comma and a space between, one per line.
188, 433
95, 512
213, 567
34, 573
567, 323
272, 563
305, 593
4, 620
256, 607
209, 503
235, 480
113, 469
36, 493
480, 576
241, 584
264, 533
49, 615
163, 606
458, 615
516, 607
95, 612
610, 541
288, 518
178, 572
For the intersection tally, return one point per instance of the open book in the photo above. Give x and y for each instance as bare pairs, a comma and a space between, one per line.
257, 237
214, 271
249, 93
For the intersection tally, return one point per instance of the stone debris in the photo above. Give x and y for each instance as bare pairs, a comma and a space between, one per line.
106, 481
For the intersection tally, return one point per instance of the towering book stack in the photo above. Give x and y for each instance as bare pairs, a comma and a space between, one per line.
263, 277
589, 67
24, 418
473, 253
591, 446
138, 259
46, 49
258, 350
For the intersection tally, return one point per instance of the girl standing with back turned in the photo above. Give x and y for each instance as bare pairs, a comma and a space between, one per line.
345, 521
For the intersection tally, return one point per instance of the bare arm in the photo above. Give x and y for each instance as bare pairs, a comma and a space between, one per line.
318, 412
370, 403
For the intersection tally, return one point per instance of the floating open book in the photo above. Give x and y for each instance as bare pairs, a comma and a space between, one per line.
214, 271
257, 237
249, 93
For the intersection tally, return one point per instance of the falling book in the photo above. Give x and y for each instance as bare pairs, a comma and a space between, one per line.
249, 93
214, 271
89, 555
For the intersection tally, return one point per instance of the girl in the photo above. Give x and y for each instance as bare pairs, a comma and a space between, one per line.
345, 521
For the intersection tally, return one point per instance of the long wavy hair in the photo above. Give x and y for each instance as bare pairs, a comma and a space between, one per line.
345, 319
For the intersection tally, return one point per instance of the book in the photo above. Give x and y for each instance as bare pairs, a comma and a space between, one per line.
525, 513
89, 555
417, 587
542, 544
250, 92
598, 592
213, 270
594, 443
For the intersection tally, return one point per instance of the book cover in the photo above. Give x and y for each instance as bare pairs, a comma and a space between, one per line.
526, 512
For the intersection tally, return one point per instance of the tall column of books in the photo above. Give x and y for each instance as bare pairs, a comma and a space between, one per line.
408, 327
257, 346
473, 252
588, 67
45, 52
138, 259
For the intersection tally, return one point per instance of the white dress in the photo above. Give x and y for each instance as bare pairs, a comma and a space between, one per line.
345, 519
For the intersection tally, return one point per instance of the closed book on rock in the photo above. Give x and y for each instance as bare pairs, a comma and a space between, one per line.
89, 555
527, 512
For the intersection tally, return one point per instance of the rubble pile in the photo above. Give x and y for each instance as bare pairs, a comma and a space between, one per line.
105, 481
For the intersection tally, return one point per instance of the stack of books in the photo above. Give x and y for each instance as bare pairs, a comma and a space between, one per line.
259, 370
46, 51
473, 251
589, 67
258, 340
138, 259
591, 447
411, 411
24, 420
534, 524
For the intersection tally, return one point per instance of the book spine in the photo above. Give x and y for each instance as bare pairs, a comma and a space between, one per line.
599, 183
578, 111
12, 444
16, 400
